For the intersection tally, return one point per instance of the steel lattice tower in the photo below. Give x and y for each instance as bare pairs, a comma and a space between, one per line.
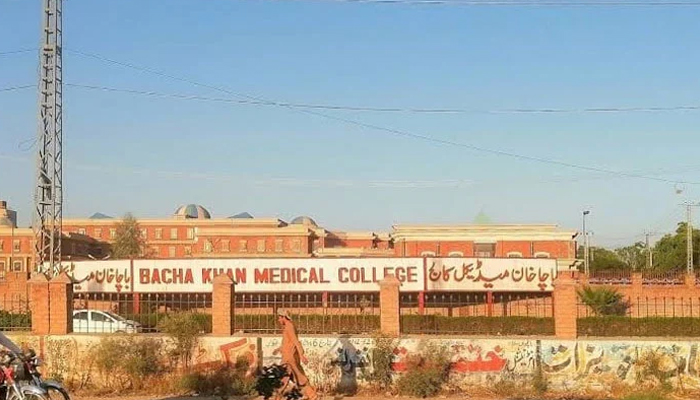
48, 198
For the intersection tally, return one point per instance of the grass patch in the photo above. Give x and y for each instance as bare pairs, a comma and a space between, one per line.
502, 326
626, 326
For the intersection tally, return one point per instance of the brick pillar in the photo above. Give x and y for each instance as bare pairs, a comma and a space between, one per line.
390, 322
565, 306
223, 305
39, 304
690, 281
136, 309
61, 298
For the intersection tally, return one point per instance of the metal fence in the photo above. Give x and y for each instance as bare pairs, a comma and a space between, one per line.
312, 313
477, 313
621, 277
674, 277
641, 316
135, 313
15, 313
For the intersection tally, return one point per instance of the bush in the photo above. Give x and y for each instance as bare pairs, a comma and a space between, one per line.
426, 374
628, 326
127, 362
224, 381
152, 321
603, 300
184, 329
11, 321
380, 376
477, 325
310, 323
645, 396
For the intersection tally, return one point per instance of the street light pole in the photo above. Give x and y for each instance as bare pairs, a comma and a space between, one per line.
586, 266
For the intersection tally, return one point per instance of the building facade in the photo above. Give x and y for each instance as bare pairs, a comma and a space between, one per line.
191, 232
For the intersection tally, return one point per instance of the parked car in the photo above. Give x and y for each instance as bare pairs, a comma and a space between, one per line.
96, 321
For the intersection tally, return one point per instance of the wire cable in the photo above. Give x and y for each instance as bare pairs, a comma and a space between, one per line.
512, 3
179, 96
20, 51
14, 88
393, 131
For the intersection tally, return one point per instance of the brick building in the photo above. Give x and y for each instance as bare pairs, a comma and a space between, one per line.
191, 232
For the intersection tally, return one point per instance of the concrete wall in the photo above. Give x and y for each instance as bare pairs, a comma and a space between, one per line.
568, 365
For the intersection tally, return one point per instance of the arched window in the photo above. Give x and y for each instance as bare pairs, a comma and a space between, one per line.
455, 254
542, 254
427, 254
514, 254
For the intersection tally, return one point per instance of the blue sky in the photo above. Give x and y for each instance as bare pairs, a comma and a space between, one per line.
147, 155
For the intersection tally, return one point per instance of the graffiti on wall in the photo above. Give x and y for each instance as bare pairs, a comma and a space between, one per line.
342, 362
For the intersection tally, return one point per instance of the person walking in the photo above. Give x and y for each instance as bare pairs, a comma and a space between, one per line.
293, 355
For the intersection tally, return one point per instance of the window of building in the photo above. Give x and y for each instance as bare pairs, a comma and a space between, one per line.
98, 232
261, 245
514, 254
112, 233
225, 246
16, 246
156, 251
484, 250
296, 245
171, 252
242, 246
542, 254
188, 250
208, 246
190, 233
427, 254
173, 233
159, 233
279, 245
455, 254
144, 233
81, 231
17, 266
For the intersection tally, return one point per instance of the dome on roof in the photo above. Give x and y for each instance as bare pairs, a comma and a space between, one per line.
243, 215
99, 215
192, 211
303, 220
482, 219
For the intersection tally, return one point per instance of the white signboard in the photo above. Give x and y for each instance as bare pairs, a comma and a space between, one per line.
315, 275
101, 276
277, 275
492, 274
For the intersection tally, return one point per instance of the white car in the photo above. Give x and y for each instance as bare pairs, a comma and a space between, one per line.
96, 321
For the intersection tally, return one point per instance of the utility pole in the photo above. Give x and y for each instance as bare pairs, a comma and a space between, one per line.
586, 264
48, 195
689, 235
650, 260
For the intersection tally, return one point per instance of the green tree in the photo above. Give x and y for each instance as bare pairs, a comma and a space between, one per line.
603, 300
129, 241
670, 251
634, 256
602, 259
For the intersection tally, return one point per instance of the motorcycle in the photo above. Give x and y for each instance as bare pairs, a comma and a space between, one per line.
25, 370
32, 362
12, 372
275, 382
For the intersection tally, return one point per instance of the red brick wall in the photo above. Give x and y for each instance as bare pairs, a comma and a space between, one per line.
522, 247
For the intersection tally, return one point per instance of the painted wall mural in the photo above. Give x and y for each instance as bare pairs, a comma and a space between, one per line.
341, 362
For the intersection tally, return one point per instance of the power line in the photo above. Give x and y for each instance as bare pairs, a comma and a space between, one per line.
388, 109
512, 3
20, 51
14, 88
393, 131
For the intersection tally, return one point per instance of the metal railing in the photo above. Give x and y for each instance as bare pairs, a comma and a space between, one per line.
477, 313
641, 316
673, 277
135, 313
312, 313
619, 277
15, 313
